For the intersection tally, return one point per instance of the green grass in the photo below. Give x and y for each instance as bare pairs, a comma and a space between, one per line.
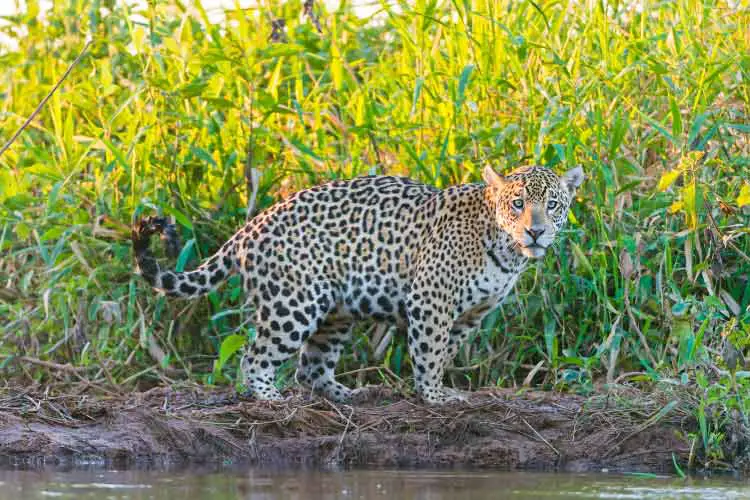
167, 113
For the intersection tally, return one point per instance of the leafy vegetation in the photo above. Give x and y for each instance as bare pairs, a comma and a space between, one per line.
170, 113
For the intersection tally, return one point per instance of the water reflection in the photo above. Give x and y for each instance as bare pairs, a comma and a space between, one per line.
258, 484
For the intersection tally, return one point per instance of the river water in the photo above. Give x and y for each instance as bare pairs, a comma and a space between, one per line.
355, 484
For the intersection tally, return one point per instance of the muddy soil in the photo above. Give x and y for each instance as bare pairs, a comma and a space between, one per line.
496, 429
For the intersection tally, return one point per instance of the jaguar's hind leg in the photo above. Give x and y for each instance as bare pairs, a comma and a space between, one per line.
281, 329
318, 358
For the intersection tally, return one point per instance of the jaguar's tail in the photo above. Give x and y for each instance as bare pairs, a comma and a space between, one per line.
186, 284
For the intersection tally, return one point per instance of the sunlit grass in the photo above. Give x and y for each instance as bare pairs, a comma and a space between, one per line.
163, 112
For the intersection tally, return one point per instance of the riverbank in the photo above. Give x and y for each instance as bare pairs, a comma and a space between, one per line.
618, 431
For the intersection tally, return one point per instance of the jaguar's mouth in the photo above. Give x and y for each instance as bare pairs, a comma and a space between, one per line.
533, 251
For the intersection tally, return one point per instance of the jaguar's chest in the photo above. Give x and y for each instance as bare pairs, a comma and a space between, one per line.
499, 275
492, 283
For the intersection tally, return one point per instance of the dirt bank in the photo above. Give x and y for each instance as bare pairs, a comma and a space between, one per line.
492, 429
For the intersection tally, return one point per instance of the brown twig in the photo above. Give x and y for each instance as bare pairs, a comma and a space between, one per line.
536, 433
68, 368
634, 324
380, 165
372, 369
625, 375
309, 9
106, 371
347, 419
44, 101
490, 360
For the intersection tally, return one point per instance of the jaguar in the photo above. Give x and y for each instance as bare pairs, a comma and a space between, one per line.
433, 262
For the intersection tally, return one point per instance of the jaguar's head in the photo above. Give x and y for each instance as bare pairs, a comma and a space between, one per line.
532, 204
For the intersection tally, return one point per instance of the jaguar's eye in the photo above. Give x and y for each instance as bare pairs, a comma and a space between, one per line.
551, 205
518, 203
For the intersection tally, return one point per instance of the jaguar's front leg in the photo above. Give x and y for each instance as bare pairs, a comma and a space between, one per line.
464, 326
429, 329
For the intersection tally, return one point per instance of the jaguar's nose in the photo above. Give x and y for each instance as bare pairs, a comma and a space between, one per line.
535, 232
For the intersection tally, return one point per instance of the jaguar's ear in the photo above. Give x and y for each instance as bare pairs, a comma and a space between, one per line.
573, 178
492, 178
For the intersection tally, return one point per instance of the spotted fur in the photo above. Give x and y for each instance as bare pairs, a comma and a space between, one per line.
433, 262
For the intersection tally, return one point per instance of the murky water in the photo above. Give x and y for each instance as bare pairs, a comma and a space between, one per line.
391, 484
